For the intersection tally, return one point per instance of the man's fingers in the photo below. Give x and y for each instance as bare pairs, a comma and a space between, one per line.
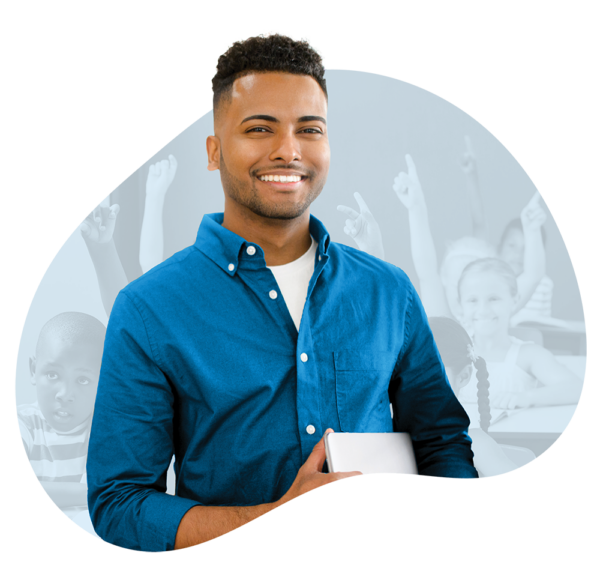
348, 211
316, 459
345, 475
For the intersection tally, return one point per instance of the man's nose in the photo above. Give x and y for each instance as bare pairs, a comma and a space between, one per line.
287, 149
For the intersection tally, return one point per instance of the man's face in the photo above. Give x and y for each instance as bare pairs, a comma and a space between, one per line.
274, 126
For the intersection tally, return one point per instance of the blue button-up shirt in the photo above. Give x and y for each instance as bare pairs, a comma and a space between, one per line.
202, 360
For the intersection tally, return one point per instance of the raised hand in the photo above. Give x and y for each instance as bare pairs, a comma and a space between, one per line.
363, 228
468, 162
408, 187
99, 225
533, 215
160, 177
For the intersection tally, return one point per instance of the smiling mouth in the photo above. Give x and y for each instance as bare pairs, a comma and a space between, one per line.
61, 414
282, 181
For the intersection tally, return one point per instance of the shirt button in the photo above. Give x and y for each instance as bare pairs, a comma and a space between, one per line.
310, 430
304, 358
319, 257
251, 250
231, 267
273, 294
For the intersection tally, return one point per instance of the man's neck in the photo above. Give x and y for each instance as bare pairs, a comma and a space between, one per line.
282, 240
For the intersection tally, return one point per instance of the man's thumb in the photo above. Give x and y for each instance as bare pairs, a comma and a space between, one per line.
316, 459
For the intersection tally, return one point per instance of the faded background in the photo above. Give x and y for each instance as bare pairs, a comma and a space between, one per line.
373, 121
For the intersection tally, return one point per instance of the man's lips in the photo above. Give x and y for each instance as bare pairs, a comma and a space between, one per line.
277, 184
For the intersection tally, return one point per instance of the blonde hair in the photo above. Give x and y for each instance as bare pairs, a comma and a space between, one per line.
468, 249
495, 265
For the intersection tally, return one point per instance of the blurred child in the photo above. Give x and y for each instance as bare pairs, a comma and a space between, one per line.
512, 250
55, 429
522, 245
457, 353
521, 374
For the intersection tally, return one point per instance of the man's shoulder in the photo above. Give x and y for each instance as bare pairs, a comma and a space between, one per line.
354, 261
165, 274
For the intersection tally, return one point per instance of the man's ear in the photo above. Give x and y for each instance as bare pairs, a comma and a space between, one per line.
32, 369
213, 150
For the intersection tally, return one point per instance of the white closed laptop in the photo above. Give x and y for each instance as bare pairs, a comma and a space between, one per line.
370, 453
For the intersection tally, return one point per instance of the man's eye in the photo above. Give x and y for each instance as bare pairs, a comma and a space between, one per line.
52, 376
312, 130
257, 129
83, 381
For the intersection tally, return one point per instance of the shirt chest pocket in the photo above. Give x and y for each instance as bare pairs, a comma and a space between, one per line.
361, 386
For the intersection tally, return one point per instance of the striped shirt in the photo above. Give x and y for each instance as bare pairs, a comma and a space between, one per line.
54, 455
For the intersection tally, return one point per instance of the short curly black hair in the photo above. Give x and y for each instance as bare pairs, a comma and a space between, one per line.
274, 53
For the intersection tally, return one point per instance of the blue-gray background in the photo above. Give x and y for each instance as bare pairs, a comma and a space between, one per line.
373, 121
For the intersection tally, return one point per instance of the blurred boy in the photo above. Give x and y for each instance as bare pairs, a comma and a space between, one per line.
55, 429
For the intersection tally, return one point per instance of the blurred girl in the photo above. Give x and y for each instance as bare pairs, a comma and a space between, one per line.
521, 374
458, 356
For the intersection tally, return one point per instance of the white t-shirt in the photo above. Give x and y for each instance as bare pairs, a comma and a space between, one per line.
293, 279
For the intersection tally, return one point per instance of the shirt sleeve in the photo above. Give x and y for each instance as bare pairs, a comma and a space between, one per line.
425, 405
26, 437
131, 441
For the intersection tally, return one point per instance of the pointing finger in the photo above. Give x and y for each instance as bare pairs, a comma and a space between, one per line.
469, 145
535, 199
361, 203
412, 169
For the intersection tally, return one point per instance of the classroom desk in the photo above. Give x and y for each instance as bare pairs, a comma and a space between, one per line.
570, 338
536, 428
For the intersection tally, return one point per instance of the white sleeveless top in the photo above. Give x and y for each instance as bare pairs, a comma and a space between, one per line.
505, 376
293, 279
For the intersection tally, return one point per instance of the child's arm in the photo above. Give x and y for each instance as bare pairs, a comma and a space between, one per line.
488, 457
66, 494
408, 189
363, 228
469, 167
560, 385
160, 177
534, 259
97, 232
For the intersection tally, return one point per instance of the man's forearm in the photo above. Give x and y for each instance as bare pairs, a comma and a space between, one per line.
201, 524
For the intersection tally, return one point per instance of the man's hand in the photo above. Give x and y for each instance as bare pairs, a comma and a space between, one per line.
99, 225
408, 187
363, 228
533, 215
310, 475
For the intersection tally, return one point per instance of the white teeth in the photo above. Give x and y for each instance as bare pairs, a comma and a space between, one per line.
280, 178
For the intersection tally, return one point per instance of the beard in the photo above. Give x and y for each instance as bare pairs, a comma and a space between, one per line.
250, 197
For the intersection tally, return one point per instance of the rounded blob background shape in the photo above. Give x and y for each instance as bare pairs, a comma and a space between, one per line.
373, 122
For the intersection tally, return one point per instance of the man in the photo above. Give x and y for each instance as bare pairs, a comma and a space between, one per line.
237, 353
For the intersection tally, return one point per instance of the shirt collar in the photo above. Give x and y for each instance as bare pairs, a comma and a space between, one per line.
227, 249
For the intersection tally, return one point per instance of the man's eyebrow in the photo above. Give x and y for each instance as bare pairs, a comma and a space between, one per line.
273, 119
260, 117
311, 118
